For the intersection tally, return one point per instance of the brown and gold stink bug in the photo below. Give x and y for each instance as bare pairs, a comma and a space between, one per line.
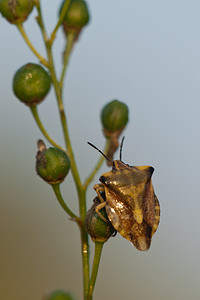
131, 205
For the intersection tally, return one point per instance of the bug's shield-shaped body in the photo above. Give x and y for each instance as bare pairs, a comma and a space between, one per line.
131, 204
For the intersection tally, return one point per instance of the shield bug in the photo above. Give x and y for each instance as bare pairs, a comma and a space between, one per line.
131, 205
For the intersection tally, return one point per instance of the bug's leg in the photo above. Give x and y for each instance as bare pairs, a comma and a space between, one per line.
99, 189
98, 208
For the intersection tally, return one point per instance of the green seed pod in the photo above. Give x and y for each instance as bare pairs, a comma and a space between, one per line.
52, 164
59, 295
16, 11
97, 228
76, 18
31, 83
114, 116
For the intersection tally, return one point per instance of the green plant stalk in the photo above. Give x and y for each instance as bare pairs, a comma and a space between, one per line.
75, 174
60, 20
76, 177
56, 189
40, 22
84, 242
74, 170
28, 42
63, 121
70, 42
95, 267
36, 117
58, 94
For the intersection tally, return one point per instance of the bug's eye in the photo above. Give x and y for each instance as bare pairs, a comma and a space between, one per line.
102, 179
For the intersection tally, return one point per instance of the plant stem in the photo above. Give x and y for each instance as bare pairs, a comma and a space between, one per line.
60, 21
70, 42
80, 189
97, 256
63, 119
41, 127
58, 93
75, 174
56, 188
40, 22
84, 243
28, 42
84, 238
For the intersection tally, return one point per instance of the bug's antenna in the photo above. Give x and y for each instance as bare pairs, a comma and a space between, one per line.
100, 152
120, 153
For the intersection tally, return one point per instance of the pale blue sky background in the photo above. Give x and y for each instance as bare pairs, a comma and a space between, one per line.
147, 54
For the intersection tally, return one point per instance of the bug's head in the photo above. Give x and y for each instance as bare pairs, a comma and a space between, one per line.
124, 174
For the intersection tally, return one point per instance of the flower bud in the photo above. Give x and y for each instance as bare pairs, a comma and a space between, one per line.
77, 16
31, 83
52, 164
114, 116
97, 228
16, 11
59, 295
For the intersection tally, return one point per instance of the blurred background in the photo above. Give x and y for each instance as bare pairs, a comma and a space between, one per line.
146, 54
